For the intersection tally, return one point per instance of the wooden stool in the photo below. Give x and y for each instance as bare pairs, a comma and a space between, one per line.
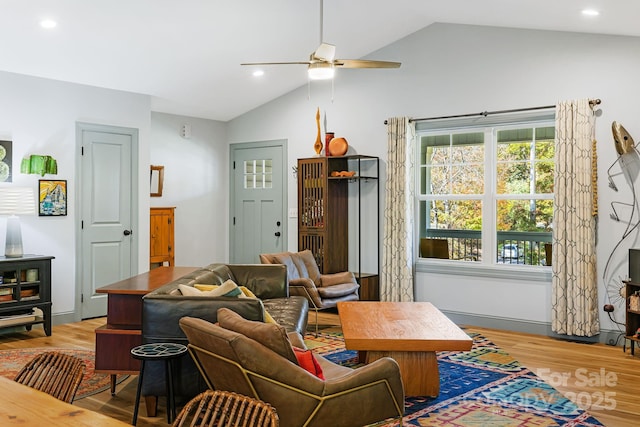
158, 351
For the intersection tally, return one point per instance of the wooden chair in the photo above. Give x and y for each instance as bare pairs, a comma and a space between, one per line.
54, 373
434, 248
548, 252
226, 409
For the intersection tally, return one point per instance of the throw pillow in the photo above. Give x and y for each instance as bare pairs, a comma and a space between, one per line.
190, 291
248, 294
270, 335
227, 289
308, 361
234, 291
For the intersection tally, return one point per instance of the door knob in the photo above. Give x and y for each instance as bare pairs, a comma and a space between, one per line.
277, 234
128, 232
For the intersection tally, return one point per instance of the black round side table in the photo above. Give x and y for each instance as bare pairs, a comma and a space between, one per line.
166, 351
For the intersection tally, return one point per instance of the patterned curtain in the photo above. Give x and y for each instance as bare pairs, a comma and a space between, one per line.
574, 284
396, 282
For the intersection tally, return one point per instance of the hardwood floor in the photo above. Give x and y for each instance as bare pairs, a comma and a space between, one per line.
601, 378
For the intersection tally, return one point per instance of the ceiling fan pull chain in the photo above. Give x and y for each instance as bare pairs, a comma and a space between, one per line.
332, 91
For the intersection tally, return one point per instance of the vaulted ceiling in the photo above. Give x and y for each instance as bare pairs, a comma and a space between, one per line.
186, 54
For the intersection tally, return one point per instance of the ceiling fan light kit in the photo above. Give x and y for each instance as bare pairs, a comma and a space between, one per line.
321, 71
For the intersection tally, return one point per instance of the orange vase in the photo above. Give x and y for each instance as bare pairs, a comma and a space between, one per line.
328, 137
318, 144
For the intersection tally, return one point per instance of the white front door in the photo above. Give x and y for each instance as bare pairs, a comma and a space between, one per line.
257, 200
108, 211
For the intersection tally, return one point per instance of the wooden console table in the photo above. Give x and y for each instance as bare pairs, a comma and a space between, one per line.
123, 330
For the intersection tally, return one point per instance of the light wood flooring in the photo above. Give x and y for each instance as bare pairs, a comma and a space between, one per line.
593, 374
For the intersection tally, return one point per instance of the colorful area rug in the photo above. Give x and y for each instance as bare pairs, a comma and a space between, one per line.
11, 361
481, 387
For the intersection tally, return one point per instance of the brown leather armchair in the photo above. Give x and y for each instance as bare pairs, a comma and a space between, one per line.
322, 290
256, 366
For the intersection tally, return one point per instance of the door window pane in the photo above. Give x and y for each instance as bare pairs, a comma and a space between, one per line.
258, 174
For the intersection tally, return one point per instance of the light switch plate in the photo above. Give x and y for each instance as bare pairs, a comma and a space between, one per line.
293, 212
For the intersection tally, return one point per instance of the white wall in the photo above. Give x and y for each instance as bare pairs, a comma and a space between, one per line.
40, 116
456, 69
196, 182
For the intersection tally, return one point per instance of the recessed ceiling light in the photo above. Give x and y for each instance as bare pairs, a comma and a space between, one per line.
258, 73
48, 23
590, 12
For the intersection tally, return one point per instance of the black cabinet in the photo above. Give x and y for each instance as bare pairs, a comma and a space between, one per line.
25, 292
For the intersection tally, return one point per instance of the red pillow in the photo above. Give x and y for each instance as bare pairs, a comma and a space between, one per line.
307, 360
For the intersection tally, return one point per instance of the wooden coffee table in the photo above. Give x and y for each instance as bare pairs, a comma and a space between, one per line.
409, 332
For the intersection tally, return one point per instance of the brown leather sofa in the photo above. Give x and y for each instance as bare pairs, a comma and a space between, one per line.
321, 290
163, 308
255, 360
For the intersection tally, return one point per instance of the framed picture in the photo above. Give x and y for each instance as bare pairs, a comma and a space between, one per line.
52, 200
5, 161
157, 179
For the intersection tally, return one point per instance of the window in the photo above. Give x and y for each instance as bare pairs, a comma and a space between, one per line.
487, 190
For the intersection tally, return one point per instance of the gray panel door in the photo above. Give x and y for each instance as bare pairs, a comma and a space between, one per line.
108, 204
257, 217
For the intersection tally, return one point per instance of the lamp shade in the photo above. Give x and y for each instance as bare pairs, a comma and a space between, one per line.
15, 201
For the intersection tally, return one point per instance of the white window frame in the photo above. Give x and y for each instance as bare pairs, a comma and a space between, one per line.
488, 266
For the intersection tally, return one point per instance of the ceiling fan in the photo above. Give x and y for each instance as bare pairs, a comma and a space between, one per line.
322, 62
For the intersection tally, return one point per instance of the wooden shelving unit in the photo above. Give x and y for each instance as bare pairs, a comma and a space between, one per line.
323, 214
632, 317
25, 292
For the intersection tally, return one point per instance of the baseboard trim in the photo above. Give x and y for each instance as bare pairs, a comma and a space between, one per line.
62, 318
606, 336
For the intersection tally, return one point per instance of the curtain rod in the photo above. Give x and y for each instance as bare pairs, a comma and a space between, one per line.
592, 102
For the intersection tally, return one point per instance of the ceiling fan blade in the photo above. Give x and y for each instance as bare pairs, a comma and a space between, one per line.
279, 63
363, 63
325, 52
